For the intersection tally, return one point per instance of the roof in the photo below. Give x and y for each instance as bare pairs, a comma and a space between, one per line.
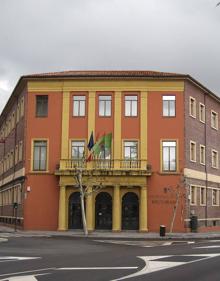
103, 74
106, 74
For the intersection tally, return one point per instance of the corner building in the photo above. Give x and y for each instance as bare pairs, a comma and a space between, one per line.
163, 166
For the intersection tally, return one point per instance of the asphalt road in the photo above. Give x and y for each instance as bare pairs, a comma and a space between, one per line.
67, 259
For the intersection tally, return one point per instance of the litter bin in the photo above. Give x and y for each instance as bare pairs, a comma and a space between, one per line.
162, 230
194, 223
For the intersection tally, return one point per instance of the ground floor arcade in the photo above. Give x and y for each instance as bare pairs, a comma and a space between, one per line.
120, 203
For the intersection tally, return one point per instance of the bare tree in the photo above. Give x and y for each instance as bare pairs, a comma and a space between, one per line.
83, 194
217, 4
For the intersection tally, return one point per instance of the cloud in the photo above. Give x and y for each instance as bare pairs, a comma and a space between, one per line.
51, 35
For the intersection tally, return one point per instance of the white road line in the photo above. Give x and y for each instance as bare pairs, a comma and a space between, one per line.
152, 264
208, 247
97, 268
28, 271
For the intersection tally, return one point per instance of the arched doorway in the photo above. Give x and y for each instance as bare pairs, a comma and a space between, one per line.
103, 211
130, 211
75, 215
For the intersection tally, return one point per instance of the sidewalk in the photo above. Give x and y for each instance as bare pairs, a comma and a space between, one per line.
110, 235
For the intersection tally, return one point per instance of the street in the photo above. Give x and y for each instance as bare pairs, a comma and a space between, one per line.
80, 259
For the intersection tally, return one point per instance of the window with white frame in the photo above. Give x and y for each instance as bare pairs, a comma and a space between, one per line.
79, 105
169, 155
214, 159
78, 149
40, 155
215, 197
131, 104
169, 106
105, 105
192, 107
202, 195
202, 154
202, 112
192, 151
131, 150
214, 120
193, 197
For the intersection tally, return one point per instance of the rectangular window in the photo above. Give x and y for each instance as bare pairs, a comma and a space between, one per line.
202, 154
193, 196
17, 113
20, 151
192, 151
192, 107
214, 159
169, 156
79, 105
202, 196
215, 197
214, 120
41, 106
105, 104
169, 106
40, 156
202, 112
78, 149
16, 154
131, 105
131, 150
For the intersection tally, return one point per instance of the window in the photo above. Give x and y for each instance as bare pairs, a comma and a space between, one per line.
79, 105
17, 113
16, 154
131, 105
41, 106
131, 150
78, 149
193, 196
215, 197
202, 112
105, 105
40, 156
192, 107
202, 196
169, 106
20, 151
202, 154
214, 120
214, 159
22, 107
169, 156
192, 151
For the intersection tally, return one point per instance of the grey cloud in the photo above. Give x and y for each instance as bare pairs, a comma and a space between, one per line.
47, 35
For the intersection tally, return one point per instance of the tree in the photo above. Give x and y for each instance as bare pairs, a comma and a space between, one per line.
83, 194
217, 4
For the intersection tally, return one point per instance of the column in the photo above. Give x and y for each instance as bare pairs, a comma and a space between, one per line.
91, 119
116, 209
65, 126
89, 210
143, 209
143, 137
62, 209
117, 130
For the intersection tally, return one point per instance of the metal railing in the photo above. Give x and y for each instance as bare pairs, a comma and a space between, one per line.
105, 164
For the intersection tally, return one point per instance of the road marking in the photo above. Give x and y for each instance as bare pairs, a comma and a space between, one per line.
3, 240
97, 268
8, 259
23, 278
152, 264
208, 247
28, 271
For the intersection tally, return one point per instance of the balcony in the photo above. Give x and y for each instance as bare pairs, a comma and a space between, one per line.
108, 166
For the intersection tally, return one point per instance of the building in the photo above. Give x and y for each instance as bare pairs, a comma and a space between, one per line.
163, 165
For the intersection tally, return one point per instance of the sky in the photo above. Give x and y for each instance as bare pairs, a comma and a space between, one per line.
38, 36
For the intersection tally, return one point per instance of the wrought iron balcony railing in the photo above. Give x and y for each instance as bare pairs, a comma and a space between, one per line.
105, 164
